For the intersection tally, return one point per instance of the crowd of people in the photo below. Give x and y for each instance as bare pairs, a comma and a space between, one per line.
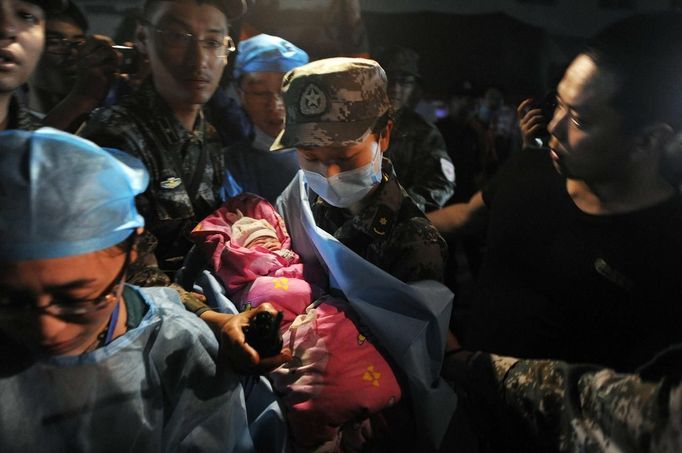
157, 212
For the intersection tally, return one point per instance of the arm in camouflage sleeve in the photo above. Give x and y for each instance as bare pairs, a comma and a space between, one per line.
588, 408
109, 128
434, 174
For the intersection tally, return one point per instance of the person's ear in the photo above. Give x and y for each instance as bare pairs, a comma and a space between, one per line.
385, 137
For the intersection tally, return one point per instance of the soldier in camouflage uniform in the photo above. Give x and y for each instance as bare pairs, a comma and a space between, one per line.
417, 150
162, 123
337, 117
22, 42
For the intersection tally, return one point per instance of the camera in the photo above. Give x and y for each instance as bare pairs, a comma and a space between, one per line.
263, 335
129, 62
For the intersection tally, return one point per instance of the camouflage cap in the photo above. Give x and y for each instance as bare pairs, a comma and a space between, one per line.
332, 102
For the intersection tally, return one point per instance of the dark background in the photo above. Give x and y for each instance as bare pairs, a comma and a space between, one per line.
520, 46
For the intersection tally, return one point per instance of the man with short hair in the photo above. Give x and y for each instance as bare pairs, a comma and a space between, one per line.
417, 149
259, 69
187, 44
22, 38
582, 263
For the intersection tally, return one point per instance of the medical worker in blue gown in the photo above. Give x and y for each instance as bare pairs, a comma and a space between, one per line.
88, 363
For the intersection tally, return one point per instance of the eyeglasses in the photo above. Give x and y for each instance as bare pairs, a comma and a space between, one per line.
221, 45
62, 46
9, 308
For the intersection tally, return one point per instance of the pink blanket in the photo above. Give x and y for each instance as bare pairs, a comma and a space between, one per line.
336, 376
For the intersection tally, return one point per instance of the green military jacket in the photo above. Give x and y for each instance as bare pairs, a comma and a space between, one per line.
389, 231
180, 194
20, 118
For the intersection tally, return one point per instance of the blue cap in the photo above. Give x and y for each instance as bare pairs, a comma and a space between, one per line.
61, 195
266, 53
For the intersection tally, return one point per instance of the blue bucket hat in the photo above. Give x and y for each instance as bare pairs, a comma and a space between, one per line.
61, 195
266, 53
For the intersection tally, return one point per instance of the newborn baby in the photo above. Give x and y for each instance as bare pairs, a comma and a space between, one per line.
336, 378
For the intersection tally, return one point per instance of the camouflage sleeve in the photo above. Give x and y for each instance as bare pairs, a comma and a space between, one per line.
587, 408
433, 182
109, 128
145, 271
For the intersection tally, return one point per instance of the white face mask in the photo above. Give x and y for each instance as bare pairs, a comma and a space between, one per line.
348, 187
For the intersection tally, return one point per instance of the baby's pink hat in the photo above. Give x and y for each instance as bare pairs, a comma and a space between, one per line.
247, 229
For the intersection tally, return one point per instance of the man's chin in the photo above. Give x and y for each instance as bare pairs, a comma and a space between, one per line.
273, 130
8, 85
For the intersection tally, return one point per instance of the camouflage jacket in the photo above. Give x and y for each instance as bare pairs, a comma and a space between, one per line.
144, 126
421, 160
20, 118
585, 408
390, 231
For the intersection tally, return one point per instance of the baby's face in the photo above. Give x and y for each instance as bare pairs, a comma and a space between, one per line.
267, 242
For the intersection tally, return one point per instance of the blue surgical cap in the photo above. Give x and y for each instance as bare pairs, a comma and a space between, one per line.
266, 53
61, 195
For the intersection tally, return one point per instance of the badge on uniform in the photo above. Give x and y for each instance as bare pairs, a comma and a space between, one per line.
448, 169
313, 101
171, 183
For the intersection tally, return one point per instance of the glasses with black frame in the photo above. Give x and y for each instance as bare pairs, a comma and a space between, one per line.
221, 45
10, 307
62, 46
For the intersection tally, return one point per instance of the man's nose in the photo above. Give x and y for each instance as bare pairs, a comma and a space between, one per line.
199, 56
276, 101
47, 324
331, 170
557, 123
8, 24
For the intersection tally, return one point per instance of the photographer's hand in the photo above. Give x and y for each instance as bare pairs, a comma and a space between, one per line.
97, 64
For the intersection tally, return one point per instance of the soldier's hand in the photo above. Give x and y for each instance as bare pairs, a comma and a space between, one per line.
531, 121
235, 352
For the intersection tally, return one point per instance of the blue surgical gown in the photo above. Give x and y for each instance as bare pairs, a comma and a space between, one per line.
156, 388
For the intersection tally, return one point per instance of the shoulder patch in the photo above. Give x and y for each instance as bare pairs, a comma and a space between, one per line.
448, 169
